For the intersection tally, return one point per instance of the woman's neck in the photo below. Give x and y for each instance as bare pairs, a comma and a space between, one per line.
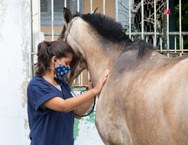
49, 76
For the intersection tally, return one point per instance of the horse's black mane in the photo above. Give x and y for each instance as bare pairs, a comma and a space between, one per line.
106, 27
112, 30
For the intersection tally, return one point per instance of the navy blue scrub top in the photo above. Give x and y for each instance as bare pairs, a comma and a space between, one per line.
48, 127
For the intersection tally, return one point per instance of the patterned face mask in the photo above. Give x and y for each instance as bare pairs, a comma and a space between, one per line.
62, 70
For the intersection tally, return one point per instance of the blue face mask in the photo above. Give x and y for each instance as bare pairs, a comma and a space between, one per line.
62, 70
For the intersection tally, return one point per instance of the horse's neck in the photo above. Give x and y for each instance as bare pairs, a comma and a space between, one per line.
98, 60
98, 54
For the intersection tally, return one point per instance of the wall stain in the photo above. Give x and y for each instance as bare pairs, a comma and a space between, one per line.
3, 12
26, 48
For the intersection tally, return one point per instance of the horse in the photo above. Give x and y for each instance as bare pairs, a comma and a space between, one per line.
145, 98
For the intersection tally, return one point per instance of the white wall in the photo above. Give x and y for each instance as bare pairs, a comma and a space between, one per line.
15, 45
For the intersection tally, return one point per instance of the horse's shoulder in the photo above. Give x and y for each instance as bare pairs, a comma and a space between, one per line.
181, 68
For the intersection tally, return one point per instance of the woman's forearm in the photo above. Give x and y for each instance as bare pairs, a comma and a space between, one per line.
82, 110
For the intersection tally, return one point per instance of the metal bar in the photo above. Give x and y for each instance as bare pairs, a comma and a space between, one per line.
177, 33
91, 6
78, 5
175, 43
167, 26
180, 25
157, 33
52, 19
171, 50
160, 39
155, 23
182, 43
142, 21
130, 18
81, 78
116, 10
146, 38
65, 3
104, 7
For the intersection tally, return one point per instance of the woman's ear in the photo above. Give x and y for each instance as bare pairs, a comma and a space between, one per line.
54, 59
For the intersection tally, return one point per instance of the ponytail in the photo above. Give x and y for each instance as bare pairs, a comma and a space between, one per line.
46, 50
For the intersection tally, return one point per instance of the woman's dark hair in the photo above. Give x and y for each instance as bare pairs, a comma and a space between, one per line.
46, 50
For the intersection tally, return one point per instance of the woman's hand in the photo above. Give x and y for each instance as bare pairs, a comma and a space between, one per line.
98, 87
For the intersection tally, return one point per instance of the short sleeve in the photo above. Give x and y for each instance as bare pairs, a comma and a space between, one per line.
39, 92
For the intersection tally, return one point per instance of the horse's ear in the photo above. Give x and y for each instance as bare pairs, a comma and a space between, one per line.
67, 16
95, 10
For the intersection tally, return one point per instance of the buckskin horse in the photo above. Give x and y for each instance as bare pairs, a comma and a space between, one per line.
145, 99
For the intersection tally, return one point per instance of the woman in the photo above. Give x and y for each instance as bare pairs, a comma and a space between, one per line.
51, 106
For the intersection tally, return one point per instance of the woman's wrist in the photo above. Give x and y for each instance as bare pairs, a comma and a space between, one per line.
93, 91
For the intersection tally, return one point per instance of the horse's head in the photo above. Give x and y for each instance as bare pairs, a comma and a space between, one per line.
78, 63
70, 31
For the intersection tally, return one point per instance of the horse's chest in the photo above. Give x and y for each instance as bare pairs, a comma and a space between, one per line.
110, 121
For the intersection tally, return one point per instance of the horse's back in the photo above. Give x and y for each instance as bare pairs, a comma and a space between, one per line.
150, 106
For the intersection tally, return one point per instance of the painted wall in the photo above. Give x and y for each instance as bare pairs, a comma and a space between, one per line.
15, 45
85, 132
110, 7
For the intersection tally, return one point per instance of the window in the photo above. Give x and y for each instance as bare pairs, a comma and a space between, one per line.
45, 8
